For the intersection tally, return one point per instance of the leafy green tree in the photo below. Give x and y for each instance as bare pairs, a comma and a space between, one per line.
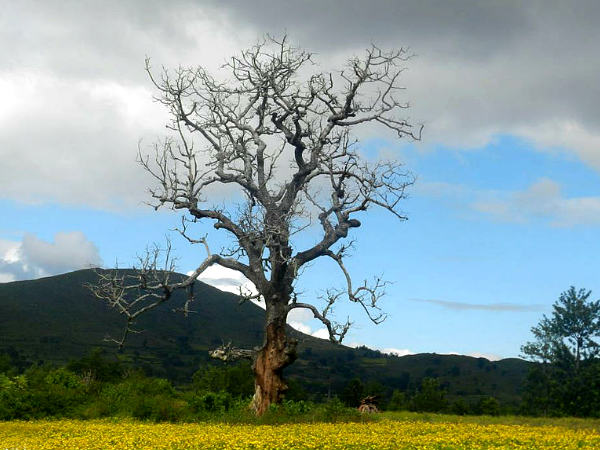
566, 379
5, 363
488, 406
460, 407
353, 392
96, 366
398, 401
430, 398
569, 335
376, 389
538, 392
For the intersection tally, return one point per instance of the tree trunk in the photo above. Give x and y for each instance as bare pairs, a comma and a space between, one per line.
578, 353
277, 353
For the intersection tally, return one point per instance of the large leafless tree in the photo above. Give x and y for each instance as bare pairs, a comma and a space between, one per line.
280, 134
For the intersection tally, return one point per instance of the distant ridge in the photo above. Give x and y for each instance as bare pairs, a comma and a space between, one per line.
56, 319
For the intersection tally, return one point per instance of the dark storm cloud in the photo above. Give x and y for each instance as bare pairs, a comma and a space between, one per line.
76, 99
471, 27
482, 67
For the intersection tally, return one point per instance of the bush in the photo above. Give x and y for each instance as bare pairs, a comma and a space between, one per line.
212, 402
139, 397
296, 408
353, 392
238, 380
488, 406
430, 398
40, 392
160, 408
460, 407
335, 411
63, 379
12, 395
96, 367
398, 401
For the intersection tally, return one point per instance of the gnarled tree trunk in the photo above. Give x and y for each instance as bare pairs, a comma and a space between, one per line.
249, 129
278, 352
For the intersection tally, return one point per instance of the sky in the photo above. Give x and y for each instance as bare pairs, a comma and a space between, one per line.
504, 214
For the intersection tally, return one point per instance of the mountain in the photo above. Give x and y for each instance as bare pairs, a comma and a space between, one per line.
57, 319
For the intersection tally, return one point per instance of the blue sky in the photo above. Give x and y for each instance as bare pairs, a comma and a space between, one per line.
504, 215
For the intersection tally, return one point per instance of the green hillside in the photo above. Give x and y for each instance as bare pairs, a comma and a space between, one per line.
56, 319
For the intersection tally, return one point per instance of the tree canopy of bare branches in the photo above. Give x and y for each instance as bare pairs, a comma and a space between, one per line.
280, 134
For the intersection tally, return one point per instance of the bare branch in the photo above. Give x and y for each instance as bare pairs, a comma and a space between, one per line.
367, 295
336, 331
283, 145
137, 291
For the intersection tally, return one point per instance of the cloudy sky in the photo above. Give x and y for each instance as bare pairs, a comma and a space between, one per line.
505, 213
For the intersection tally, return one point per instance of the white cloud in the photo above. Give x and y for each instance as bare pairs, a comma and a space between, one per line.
34, 258
397, 351
84, 152
8, 256
77, 98
8, 250
387, 350
300, 315
490, 356
300, 326
542, 200
227, 280
321, 333
565, 134
6, 277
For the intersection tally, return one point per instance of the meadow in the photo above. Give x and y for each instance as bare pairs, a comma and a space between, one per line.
386, 431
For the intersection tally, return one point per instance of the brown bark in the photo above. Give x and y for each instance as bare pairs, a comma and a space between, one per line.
331, 183
277, 353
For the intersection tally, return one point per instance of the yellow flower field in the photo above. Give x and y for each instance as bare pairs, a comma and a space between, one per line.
385, 434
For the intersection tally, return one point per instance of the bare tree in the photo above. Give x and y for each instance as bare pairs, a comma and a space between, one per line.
283, 140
